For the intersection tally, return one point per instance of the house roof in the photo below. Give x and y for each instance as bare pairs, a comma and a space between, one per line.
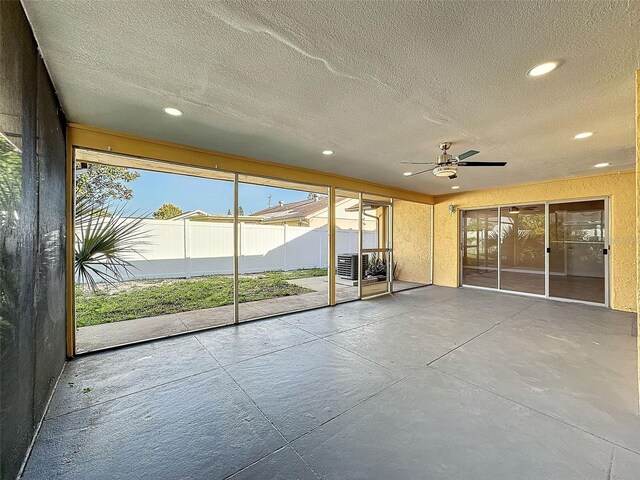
301, 210
189, 214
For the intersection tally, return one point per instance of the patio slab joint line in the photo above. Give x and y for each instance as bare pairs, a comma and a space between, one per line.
323, 337
287, 443
267, 456
610, 471
334, 344
133, 393
612, 443
290, 443
351, 408
304, 342
476, 336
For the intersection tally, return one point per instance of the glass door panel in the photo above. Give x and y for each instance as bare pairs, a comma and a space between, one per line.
480, 247
522, 256
577, 241
376, 246
282, 247
171, 269
347, 207
376, 279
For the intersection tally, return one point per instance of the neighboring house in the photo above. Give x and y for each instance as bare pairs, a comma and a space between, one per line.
223, 218
295, 213
190, 215
311, 212
202, 216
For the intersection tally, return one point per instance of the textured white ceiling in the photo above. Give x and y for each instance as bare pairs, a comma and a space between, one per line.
378, 82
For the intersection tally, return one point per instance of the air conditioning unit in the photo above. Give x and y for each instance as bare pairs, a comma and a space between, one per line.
347, 267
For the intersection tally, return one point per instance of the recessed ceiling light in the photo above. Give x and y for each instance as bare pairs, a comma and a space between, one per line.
583, 135
602, 165
543, 69
174, 112
327, 152
455, 187
407, 174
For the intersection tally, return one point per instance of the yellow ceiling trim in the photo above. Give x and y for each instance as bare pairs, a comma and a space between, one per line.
495, 190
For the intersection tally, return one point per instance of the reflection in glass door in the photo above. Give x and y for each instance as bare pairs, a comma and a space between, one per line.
480, 247
577, 250
522, 248
377, 257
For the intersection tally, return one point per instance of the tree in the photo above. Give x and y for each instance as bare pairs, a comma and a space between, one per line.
167, 211
102, 183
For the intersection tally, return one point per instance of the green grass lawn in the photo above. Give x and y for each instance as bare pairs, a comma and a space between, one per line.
153, 298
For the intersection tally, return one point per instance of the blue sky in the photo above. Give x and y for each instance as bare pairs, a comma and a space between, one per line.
152, 189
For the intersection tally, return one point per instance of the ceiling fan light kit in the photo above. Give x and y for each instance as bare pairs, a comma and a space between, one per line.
445, 171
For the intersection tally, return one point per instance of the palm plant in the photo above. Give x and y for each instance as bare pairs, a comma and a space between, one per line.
103, 240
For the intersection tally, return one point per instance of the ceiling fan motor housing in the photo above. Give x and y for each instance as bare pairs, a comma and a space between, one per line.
445, 167
444, 158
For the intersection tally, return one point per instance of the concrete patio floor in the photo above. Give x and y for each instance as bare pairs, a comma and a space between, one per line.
97, 337
434, 383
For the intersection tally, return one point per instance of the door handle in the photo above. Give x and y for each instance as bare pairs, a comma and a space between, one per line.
548, 249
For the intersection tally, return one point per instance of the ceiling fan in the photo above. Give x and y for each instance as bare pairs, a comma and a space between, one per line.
447, 165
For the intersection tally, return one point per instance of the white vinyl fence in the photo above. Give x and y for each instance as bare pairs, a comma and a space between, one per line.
182, 248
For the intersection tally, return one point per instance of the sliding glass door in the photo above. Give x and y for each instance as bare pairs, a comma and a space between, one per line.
519, 248
347, 235
377, 272
577, 251
480, 234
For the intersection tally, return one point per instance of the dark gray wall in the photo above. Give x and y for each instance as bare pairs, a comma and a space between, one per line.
32, 237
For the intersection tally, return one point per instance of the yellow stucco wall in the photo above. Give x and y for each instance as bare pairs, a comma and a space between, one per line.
412, 241
638, 208
618, 186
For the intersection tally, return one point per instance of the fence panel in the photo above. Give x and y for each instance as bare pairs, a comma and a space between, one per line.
210, 248
182, 248
261, 248
304, 247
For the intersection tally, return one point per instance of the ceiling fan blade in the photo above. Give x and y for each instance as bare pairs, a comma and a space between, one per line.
467, 154
455, 175
419, 163
482, 164
423, 171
